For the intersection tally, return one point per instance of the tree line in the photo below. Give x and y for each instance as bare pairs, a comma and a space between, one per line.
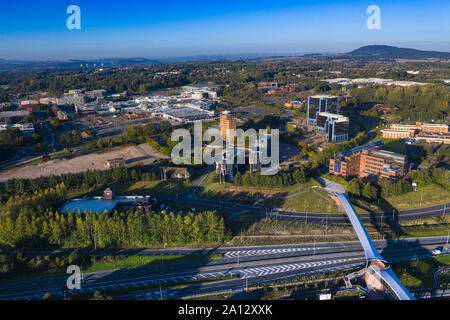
385, 188
83, 180
279, 180
416, 103
33, 221
132, 80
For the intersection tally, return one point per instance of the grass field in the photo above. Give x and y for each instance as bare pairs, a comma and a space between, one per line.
419, 273
214, 190
314, 200
127, 263
424, 197
429, 228
140, 187
152, 187
142, 261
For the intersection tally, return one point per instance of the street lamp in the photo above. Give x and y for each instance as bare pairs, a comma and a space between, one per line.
306, 213
314, 250
448, 234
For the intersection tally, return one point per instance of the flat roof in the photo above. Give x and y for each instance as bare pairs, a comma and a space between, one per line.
187, 113
323, 96
398, 130
363, 147
390, 154
333, 115
11, 114
96, 206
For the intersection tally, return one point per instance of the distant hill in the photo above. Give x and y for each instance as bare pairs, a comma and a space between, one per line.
398, 53
223, 57
6, 65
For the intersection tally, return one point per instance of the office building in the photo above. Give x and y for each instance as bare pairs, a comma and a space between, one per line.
227, 122
368, 160
430, 132
397, 134
334, 126
321, 103
433, 128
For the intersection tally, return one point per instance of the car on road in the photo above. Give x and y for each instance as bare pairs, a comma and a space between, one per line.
436, 251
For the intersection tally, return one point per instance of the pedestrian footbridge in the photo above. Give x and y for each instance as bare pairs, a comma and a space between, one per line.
379, 274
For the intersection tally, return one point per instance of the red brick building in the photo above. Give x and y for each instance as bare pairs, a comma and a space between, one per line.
368, 160
402, 131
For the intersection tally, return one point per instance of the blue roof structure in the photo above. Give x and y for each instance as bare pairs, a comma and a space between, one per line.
94, 205
363, 147
98, 204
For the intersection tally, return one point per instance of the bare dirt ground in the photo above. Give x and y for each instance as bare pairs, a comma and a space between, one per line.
142, 153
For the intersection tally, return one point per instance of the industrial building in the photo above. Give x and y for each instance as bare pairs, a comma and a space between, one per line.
29, 103
27, 129
184, 114
196, 104
13, 115
47, 101
69, 99
200, 91
202, 87
368, 160
86, 108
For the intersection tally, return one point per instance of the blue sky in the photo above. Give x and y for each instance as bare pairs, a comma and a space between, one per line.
156, 29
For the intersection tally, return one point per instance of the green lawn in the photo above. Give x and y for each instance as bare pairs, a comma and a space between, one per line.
152, 187
139, 187
141, 261
215, 190
127, 263
423, 228
419, 273
424, 197
314, 200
